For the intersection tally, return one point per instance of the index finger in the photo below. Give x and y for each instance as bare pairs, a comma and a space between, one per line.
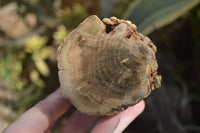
41, 116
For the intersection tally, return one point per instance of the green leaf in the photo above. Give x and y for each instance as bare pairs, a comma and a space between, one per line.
35, 78
41, 65
149, 15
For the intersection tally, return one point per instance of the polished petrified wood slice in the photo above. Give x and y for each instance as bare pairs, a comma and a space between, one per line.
106, 66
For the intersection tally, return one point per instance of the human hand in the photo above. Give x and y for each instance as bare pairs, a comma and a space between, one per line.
41, 118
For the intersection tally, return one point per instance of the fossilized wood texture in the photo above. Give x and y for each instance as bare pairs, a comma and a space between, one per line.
106, 66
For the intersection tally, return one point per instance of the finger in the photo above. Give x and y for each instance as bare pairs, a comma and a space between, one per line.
39, 118
48, 131
127, 116
119, 122
107, 124
78, 123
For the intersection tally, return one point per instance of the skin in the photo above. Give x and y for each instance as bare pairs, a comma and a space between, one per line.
41, 118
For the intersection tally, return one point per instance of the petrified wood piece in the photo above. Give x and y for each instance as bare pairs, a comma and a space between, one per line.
106, 66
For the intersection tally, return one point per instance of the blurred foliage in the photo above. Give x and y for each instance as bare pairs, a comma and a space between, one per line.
149, 15
39, 52
121, 7
30, 32
25, 60
60, 33
71, 17
11, 68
